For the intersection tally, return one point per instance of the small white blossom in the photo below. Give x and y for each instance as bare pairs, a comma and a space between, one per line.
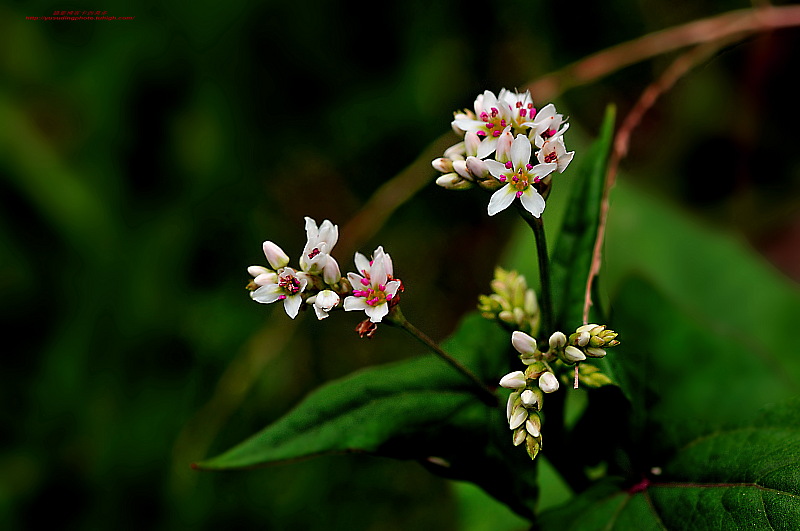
529, 398
558, 340
374, 287
546, 126
555, 151
323, 302
316, 258
262, 276
548, 382
288, 286
492, 116
519, 177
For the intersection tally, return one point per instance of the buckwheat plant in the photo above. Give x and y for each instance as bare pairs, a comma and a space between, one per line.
448, 415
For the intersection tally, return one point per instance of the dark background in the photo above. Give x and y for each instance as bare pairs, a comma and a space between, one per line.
143, 162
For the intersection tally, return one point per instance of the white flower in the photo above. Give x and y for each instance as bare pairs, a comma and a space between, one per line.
545, 126
323, 302
316, 256
555, 151
374, 287
521, 106
493, 116
519, 176
288, 286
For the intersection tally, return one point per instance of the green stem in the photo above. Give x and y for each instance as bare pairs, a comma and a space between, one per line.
486, 395
545, 290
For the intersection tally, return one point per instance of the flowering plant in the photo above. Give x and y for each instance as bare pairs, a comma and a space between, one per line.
504, 396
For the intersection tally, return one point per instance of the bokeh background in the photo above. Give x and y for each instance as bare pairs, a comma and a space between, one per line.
143, 162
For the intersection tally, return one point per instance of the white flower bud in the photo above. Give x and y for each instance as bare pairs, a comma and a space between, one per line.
583, 339
275, 255
513, 380
460, 167
529, 398
503, 149
534, 425
595, 352
548, 382
442, 165
471, 143
585, 328
558, 340
452, 181
455, 152
524, 343
518, 418
478, 168
513, 399
573, 354
519, 436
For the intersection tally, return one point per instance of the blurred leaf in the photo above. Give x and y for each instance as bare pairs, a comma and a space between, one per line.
572, 257
416, 409
740, 477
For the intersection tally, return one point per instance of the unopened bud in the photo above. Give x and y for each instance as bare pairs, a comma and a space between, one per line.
513, 380
548, 382
519, 436
585, 328
573, 355
442, 165
558, 340
478, 168
580, 339
455, 152
471, 143
534, 425
275, 255
596, 341
531, 398
524, 343
452, 181
503, 148
460, 167
518, 418
595, 352
533, 445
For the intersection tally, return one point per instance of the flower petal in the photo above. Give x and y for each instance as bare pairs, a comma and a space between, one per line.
292, 305
355, 303
487, 147
520, 151
501, 199
267, 294
532, 201
524, 343
376, 313
362, 264
496, 168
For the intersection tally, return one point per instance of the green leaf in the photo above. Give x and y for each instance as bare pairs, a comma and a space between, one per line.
572, 256
739, 477
417, 409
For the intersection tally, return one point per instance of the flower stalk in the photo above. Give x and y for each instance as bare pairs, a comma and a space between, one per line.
545, 290
480, 389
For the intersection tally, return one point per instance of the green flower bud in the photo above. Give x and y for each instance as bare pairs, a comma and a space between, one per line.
595, 352
533, 445
519, 436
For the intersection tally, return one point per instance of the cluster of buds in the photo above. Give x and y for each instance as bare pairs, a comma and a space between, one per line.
512, 302
588, 341
319, 283
524, 406
508, 127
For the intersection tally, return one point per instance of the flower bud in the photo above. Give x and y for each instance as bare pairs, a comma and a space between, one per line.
455, 152
442, 165
580, 339
275, 255
503, 149
453, 181
596, 341
460, 167
478, 168
558, 340
585, 328
511, 405
471, 143
572, 354
534, 425
548, 382
533, 445
524, 343
513, 380
532, 398
595, 352
324, 302
518, 418
519, 436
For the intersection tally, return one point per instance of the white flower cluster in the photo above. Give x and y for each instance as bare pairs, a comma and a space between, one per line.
507, 126
319, 282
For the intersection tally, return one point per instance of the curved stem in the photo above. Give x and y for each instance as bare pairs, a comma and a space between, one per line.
545, 289
486, 395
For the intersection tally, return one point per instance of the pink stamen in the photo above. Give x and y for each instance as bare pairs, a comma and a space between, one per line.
551, 157
509, 165
389, 297
502, 178
494, 112
313, 253
281, 297
381, 287
502, 123
496, 132
515, 179
519, 104
529, 166
523, 112
519, 194
364, 282
484, 116
481, 133
489, 125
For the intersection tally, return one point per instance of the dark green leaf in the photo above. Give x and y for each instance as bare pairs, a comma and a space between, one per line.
739, 477
416, 409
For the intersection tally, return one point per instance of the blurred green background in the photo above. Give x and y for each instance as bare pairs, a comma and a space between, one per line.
143, 162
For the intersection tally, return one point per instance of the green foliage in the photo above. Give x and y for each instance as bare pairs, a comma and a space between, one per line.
417, 409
